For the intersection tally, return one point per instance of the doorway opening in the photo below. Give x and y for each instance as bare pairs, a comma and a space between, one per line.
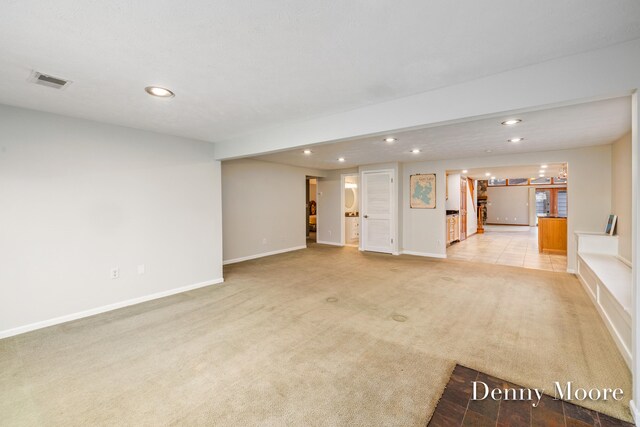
509, 215
312, 209
351, 210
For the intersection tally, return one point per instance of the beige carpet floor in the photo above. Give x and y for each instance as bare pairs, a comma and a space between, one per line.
268, 348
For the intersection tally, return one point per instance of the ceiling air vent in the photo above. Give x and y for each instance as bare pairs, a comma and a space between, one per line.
50, 81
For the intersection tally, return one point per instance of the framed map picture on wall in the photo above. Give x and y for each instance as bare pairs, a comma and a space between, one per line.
422, 189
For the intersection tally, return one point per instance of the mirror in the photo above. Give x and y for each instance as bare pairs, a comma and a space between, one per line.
350, 200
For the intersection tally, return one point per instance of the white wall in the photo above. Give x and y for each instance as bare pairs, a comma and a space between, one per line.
589, 193
621, 193
79, 197
424, 229
533, 218
313, 189
635, 251
452, 192
263, 208
508, 205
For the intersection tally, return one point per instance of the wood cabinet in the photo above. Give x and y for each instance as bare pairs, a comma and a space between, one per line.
552, 235
453, 228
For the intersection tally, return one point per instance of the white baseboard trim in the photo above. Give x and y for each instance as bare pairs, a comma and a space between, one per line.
572, 271
93, 311
424, 254
624, 261
634, 412
322, 242
263, 254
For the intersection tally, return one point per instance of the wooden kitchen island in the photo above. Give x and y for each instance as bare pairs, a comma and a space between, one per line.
552, 235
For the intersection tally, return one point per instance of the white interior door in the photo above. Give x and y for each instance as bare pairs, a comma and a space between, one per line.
377, 211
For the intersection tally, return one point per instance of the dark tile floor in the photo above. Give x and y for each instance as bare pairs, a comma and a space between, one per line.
457, 409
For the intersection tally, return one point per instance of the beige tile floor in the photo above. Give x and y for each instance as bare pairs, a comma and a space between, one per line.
507, 245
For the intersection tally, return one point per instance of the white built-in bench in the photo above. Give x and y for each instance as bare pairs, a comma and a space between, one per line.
607, 279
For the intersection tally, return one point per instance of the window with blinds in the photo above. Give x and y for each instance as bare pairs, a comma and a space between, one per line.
562, 203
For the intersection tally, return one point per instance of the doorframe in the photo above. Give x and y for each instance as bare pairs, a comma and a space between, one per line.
308, 194
307, 190
464, 188
343, 176
394, 207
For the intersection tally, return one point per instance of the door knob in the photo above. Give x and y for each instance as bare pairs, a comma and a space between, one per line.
366, 216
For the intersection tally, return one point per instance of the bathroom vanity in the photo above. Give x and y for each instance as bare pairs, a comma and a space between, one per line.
352, 227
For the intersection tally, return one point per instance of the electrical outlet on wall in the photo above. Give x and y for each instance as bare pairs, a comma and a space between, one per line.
141, 269
115, 272
264, 240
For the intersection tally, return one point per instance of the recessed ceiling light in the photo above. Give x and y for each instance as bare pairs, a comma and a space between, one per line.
159, 92
516, 139
390, 140
487, 174
415, 150
511, 122
543, 166
307, 151
541, 175
488, 151
464, 171
341, 159
541, 171
493, 177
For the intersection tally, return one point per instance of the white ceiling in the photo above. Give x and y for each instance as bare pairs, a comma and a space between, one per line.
580, 125
239, 66
529, 171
